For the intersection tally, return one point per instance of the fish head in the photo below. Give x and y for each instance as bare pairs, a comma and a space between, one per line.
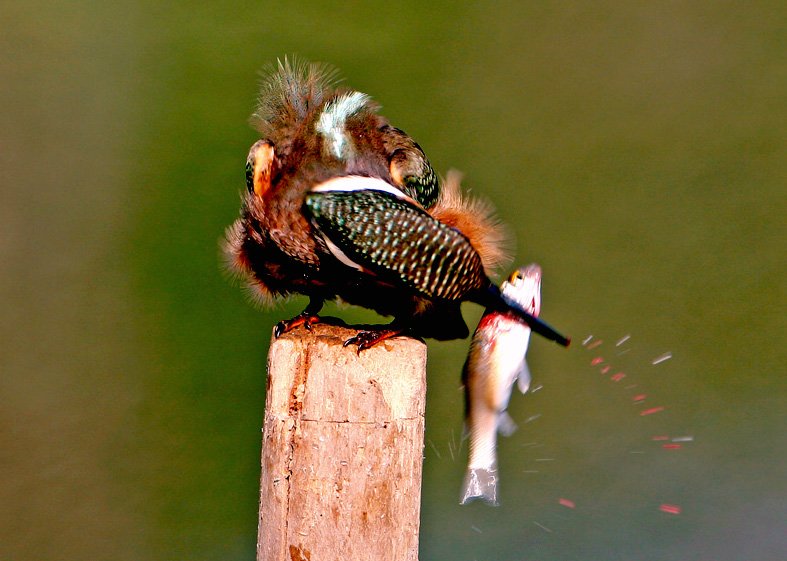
524, 287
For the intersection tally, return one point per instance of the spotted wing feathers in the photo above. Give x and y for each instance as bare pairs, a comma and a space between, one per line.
394, 239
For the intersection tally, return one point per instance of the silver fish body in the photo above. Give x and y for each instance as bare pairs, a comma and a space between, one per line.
496, 361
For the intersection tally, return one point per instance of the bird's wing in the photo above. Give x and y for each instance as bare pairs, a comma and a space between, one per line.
371, 225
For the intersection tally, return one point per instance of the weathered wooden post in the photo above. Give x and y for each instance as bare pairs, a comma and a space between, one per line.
342, 450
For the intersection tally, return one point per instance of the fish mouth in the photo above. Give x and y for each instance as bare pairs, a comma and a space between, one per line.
524, 287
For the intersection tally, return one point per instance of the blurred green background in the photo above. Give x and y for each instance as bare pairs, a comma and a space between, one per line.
638, 150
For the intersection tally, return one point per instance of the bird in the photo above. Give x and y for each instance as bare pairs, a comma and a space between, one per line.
341, 205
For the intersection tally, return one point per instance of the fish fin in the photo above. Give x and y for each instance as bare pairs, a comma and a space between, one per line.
480, 483
505, 424
523, 378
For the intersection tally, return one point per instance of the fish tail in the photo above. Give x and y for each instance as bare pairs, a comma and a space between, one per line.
480, 483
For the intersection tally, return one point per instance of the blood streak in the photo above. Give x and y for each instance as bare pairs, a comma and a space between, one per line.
650, 411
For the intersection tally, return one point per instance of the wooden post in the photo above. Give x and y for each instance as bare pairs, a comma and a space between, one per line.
342, 451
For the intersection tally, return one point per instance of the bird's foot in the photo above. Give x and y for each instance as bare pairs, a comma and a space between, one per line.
368, 339
305, 319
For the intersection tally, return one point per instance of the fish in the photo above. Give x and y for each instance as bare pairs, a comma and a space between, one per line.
495, 362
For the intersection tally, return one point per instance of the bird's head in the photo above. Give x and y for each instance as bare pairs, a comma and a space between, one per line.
314, 131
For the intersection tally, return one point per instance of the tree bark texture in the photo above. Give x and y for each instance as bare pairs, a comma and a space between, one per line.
342, 451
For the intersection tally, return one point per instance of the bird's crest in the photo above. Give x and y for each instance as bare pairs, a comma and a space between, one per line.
289, 91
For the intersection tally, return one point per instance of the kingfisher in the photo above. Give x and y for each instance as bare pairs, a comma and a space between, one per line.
341, 205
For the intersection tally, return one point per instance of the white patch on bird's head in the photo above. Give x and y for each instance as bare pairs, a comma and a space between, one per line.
332, 124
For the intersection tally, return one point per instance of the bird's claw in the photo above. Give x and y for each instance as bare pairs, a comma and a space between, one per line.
368, 339
304, 319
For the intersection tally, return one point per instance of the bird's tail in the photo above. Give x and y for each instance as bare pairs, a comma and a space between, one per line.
494, 299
